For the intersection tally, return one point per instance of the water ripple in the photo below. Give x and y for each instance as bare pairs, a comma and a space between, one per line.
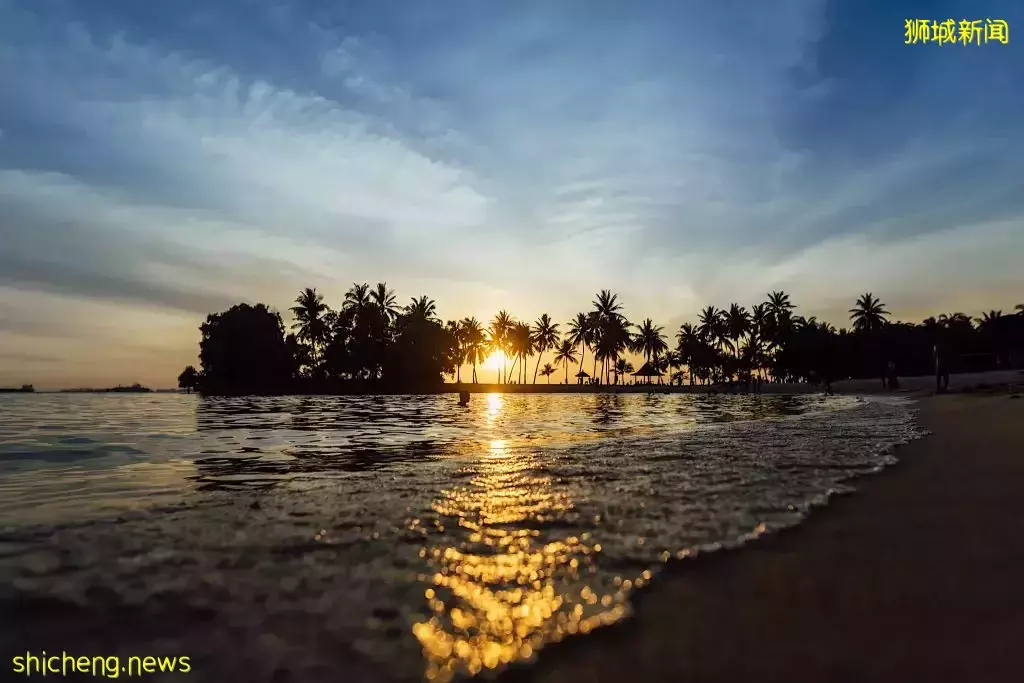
391, 538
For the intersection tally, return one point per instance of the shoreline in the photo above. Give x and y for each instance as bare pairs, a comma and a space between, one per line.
908, 386
915, 576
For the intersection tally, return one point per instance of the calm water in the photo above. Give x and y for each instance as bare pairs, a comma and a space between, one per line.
387, 538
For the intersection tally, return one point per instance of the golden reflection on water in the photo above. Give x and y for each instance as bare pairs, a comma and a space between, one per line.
493, 407
500, 585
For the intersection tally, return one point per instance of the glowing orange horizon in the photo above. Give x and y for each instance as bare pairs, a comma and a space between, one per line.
495, 360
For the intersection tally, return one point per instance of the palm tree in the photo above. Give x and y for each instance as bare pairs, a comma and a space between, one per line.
778, 303
520, 342
473, 336
649, 341
456, 331
384, 299
622, 368
309, 310
581, 333
547, 371
737, 323
710, 320
606, 305
611, 330
565, 355
868, 313
545, 337
500, 328
613, 338
988, 319
673, 361
688, 342
357, 298
421, 310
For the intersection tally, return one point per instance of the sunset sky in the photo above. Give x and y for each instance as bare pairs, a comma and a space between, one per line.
163, 160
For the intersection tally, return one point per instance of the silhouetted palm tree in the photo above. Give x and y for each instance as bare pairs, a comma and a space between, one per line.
737, 323
607, 304
545, 337
622, 368
565, 355
673, 361
384, 299
868, 313
309, 310
778, 303
611, 330
520, 342
650, 341
613, 338
547, 372
499, 329
357, 298
459, 351
421, 310
581, 333
956, 320
988, 319
709, 324
688, 342
473, 338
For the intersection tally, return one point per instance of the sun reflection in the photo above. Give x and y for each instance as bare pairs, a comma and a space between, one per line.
493, 406
502, 580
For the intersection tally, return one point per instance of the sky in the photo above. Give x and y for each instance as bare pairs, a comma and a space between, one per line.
160, 161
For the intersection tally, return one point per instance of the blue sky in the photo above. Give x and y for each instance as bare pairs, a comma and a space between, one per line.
159, 161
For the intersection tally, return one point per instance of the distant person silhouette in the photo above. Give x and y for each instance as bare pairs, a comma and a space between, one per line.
941, 369
894, 382
464, 398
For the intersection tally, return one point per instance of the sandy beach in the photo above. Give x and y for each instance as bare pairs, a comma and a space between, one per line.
915, 577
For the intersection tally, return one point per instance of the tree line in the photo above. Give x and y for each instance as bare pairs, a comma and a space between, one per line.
370, 343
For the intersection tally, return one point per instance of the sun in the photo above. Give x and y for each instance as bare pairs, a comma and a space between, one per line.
495, 360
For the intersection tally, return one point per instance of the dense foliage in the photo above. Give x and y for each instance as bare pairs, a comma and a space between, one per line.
372, 344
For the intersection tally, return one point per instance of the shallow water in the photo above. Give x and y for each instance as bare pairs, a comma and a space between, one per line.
383, 538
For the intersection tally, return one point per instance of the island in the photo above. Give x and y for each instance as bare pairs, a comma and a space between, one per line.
24, 389
119, 389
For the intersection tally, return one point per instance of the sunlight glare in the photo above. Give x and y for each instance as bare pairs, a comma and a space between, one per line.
495, 360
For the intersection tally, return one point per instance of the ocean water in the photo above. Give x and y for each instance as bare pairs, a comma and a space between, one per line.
388, 538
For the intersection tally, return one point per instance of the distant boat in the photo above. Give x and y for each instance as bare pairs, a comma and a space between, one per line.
25, 389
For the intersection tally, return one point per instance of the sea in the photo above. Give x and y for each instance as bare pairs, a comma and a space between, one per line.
389, 538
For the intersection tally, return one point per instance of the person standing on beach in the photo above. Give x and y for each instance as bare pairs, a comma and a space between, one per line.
941, 369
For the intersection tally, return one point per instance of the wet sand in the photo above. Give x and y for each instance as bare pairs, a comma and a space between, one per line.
919, 576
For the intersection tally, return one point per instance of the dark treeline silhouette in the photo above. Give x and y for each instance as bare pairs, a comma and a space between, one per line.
119, 389
370, 344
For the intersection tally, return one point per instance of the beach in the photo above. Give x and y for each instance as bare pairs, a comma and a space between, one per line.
915, 577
